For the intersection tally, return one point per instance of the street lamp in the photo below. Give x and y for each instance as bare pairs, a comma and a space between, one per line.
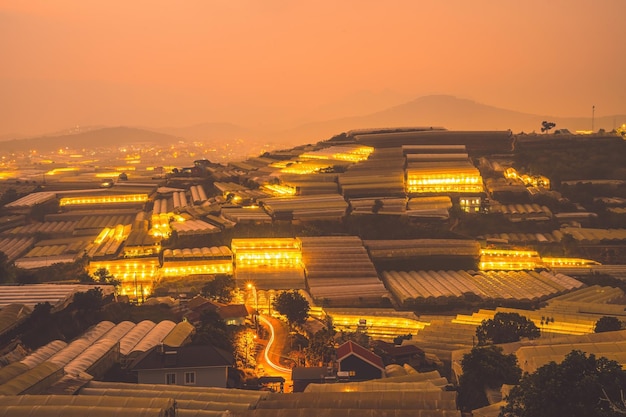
256, 305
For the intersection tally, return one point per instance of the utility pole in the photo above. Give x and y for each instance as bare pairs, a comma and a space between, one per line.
593, 117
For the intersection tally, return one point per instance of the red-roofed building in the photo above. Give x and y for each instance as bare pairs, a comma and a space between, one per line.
360, 363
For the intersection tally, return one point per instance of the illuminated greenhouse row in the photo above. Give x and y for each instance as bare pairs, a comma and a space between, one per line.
137, 275
108, 242
349, 153
443, 177
190, 261
268, 263
510, 260
104, 199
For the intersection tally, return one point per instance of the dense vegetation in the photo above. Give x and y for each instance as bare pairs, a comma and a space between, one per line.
580, 386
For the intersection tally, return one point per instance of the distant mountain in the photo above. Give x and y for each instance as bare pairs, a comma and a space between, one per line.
92, 139
209, 131
451, 113
446, 111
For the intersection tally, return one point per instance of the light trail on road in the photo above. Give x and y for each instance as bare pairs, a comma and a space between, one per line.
269, 345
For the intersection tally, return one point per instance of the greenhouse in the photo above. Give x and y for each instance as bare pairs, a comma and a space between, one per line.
410, 286
11, 315
153, 337
33, 381
43, 353
134, 336
339, 271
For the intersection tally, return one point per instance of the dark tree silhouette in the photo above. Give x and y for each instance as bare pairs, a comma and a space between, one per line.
506, 328
607, 324
485, 367
546, 126
580, 386
293, 306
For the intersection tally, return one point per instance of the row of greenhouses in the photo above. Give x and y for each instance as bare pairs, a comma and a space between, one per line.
340, 272
410, 286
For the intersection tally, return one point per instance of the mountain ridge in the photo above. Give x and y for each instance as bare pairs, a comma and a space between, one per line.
447, 111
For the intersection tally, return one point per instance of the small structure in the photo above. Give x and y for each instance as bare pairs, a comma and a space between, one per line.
303, 376
359, 363
204, 366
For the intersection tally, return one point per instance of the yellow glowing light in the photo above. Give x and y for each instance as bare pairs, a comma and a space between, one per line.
56, 171
555, 262
111, 199
107, 174
280, 190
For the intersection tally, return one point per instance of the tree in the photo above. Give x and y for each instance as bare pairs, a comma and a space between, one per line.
546, 126
580, 386
219, 289
608, 324
485, 367
506, 328
377, 206
293, 306
321, 348
7, 269
103, 276
90, 300
213, 331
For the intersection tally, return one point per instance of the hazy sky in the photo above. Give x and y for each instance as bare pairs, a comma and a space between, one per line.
277, 62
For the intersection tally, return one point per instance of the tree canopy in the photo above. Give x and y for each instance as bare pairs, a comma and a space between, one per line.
293, 306
219, 289
485, 367
580, 386
608, 324
213, 331
506, 328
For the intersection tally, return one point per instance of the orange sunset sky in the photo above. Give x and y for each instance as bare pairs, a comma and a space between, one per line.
275, 63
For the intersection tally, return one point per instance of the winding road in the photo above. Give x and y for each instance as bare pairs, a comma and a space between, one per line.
275, 344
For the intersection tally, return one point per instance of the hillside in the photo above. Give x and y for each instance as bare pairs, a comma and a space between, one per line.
93, 139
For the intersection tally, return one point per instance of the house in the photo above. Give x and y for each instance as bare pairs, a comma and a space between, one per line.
303, 376
231, 314
201, 365
358, 363
234, 314
401, 354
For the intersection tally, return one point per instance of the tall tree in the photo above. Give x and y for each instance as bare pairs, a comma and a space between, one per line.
580, 386
485, 367
293, 306
506, 328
